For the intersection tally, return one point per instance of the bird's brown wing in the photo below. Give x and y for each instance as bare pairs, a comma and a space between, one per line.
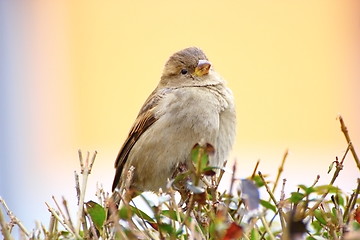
144, 120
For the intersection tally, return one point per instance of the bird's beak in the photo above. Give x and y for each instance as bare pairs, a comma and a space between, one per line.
202, 68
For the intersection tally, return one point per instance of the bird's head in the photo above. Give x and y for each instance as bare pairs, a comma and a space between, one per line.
188, 67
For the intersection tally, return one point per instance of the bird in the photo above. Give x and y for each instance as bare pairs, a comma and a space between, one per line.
191, 103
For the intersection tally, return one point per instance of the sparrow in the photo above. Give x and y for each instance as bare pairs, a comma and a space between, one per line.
190, 104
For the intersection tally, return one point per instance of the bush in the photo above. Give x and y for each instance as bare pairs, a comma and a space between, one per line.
310, 212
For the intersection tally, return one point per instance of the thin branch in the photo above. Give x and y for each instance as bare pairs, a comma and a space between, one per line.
267, 228
281, 213
52, 225
173, 205
92, 228
92, 161
77, 186
282, 199
316, 181
81, 160
352, 203
68, 214
231, 186
339, 167
250, 226
4, 228
255, 169
347, 136
54, 213
222, 171
85, 171
66, 220
281, 169
14, 219
282, 193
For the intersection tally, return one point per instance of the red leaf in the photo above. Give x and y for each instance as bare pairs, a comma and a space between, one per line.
209, 173
357, 214
154, 225
209, 149
200, 198
234, 231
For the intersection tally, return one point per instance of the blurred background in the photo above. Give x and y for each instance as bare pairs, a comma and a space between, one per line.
74, 74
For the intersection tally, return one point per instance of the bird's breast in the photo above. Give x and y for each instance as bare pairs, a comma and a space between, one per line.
185, 116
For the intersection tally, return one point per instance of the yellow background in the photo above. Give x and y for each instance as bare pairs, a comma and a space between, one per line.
77, 72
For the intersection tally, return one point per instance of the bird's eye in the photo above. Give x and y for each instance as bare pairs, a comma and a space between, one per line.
184, 71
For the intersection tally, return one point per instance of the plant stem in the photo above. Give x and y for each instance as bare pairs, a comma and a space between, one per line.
347, 136
263, 220
281, 169
4, 227
281, 213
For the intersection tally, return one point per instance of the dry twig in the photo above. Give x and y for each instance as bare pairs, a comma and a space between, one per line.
14, 219
85, 171
281, 213
347, 136
280, 170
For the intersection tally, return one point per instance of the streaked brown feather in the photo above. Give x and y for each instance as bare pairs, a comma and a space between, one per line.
144, 120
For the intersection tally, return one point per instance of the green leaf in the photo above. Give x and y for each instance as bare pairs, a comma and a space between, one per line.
310, 238
212, 229
65, 234
319, 216
317, 226
339, 199
254, 235
196, 153
268, 205
326, 188
296, 197
172, 215
167, 228
179, 232
326, 235
181, 177
356, 226
333, 211
204, 162
125, 213
258, 181
306, 189
200, 155
97, 214
141, 214
331, 166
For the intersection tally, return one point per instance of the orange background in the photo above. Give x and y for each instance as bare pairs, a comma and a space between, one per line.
75, 73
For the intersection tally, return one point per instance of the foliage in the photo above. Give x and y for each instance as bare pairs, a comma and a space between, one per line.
309, 212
